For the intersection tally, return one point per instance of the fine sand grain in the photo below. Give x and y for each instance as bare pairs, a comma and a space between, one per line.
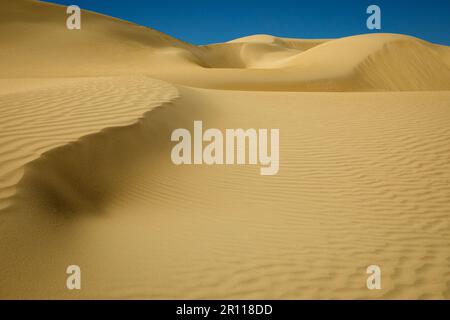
86, 176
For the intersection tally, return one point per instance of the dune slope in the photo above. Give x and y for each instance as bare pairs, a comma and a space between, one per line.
358, 185
36, 43
86, 176
38, 120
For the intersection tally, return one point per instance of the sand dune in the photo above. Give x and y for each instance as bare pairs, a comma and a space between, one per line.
344, 198
37, 44
384, 62
39, 120
86, 176
257, 52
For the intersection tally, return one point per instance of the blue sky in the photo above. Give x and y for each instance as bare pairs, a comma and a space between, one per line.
211, 21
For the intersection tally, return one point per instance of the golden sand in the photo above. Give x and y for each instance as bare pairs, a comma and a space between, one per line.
86, 176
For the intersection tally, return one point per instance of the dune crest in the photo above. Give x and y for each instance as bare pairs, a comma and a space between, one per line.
39, 120
107, 46
86, 175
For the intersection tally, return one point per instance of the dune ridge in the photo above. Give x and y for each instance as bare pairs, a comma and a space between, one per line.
42, 119
308, 232
106, 46
86, 176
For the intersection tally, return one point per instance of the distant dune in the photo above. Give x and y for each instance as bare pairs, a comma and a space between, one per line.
86, 176
36, 44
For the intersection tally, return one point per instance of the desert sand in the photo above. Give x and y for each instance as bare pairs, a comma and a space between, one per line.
86, 176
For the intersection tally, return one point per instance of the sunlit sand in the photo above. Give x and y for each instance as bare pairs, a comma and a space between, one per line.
86, 176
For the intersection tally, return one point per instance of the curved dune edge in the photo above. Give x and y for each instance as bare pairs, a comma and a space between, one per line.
109, 47
71, 114
364, 63
354, 188
84, 175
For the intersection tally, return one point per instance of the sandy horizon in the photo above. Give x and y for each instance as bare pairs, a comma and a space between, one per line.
86, 176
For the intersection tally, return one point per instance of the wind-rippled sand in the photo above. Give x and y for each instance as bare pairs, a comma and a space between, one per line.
86, 176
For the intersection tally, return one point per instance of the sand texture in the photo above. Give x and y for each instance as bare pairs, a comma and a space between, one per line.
86, 176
